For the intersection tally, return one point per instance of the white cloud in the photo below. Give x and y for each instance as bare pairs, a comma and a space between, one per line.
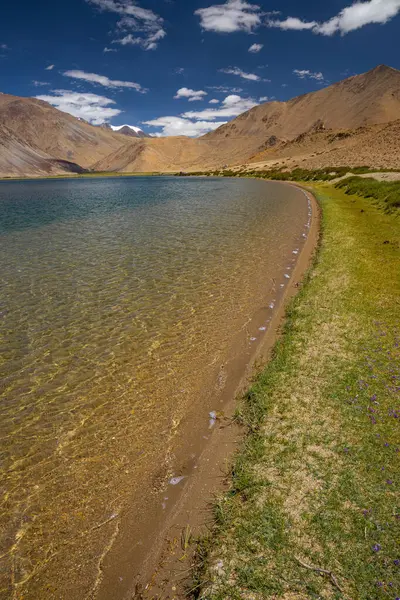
109, 50
191, 95
49, 68
293, 23
150, 43
142, 26
255, 48
306, 74
224, 89
232, 106
234, 15
39, 83
181, 126
104, 81
179, 70
349, 19
240, 73
90, 107
4, 47
196, 123
264, 99
214, 101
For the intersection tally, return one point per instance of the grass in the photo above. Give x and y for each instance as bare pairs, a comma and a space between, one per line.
386, 193
298, 174
314, 505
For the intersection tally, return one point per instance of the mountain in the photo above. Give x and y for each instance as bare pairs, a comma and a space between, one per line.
131, 131
343, 122
365, 100
18, 159
47, 133
359, 101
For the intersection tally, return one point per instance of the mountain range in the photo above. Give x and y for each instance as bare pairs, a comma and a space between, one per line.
352, 122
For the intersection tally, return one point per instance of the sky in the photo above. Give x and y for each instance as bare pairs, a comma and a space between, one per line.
184, 67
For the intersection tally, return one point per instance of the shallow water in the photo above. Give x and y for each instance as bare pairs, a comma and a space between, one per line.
120, 300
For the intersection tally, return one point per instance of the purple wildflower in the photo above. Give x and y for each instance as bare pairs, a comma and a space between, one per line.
376, 547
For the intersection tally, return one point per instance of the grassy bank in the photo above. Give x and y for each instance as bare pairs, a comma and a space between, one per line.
314, 506
298, 174
385, 193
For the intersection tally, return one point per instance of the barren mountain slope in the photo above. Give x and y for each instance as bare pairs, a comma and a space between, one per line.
18, 159
176, 154
56, 133
377, 145
362, 100
328, 123
367, 99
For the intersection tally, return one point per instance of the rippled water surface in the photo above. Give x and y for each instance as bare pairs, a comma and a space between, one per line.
120, 299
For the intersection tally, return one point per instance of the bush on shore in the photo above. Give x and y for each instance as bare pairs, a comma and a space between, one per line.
384, 192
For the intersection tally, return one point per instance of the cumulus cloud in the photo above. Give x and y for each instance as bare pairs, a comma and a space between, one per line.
181, 126
234, 15
143, 27
109, 50
196, 123
191, 95
104, 81
214, 101
49, 68
232, 106
240, 73
349, 19
255, 48
92, 108
306, 74
264, 99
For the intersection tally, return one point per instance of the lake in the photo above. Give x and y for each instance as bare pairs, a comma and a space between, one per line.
122, 302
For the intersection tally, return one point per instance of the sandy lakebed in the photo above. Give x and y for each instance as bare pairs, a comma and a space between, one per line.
135, 311
162, 567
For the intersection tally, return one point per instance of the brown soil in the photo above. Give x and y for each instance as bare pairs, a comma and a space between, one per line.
160, 566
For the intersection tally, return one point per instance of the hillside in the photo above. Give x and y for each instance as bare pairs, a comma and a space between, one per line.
359, 101
18, 159
46, 130
341, 124
377, 146
362, 101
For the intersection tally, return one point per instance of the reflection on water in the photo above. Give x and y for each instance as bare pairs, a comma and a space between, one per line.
119, 297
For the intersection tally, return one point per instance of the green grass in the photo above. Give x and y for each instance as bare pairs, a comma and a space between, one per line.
385, 192
317, 480
298, 174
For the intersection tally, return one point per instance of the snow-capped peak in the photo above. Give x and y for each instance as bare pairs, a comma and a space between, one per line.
118, 127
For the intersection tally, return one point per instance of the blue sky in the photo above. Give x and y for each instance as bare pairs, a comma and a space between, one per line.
185, 66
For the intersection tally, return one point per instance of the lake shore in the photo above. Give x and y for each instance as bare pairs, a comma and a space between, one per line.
311, 509
167, 547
